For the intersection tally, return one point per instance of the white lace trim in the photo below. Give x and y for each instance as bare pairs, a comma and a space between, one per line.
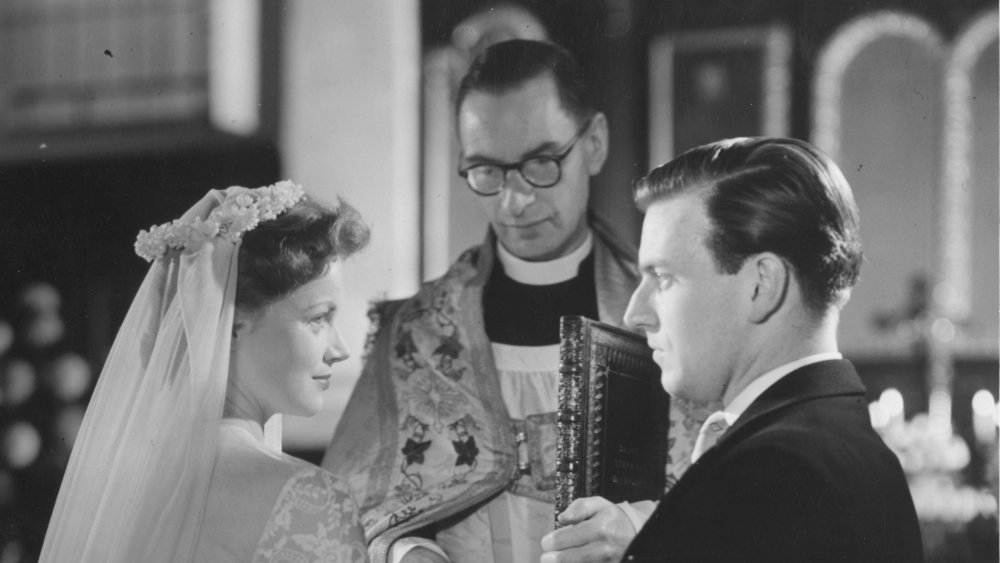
314, 519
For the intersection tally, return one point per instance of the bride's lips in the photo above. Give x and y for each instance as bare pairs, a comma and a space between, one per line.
323, 380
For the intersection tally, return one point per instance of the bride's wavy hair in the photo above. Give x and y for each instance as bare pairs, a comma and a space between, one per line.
282, 254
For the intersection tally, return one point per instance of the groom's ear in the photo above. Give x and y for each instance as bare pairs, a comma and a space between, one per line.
770, 277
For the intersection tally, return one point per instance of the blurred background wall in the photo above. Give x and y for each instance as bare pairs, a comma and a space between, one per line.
115, 115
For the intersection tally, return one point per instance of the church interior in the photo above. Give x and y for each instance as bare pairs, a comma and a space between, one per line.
116, 115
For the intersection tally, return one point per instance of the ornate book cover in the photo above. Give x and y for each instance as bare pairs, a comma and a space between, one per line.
613, 416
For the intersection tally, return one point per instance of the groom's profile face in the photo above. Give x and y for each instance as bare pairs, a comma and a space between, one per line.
691, 313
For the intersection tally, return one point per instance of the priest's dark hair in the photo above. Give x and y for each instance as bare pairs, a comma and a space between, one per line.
504, 66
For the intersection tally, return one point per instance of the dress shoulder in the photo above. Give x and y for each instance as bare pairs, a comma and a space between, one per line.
314, 519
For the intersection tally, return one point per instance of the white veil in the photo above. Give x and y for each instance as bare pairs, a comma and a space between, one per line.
138, 477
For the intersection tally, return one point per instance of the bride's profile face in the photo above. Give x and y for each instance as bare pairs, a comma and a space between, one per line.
282, 355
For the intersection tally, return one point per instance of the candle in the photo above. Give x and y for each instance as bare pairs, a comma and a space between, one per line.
984, 412
892, 401
879, 416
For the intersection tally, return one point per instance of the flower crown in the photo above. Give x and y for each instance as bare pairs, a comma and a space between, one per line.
237, 214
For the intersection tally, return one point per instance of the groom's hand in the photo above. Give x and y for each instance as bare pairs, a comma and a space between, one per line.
596, 530
421, 555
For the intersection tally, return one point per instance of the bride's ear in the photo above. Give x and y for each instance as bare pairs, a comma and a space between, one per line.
242, 325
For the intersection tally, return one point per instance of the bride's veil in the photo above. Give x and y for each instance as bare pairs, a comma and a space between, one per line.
138, 477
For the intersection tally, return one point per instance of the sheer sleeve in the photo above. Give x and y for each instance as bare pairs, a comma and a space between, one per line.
314, 519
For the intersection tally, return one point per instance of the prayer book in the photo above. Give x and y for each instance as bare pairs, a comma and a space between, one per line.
613, 416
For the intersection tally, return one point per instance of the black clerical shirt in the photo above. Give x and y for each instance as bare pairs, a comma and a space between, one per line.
521, 314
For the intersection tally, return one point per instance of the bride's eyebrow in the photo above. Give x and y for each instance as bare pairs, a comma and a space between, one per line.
326, 305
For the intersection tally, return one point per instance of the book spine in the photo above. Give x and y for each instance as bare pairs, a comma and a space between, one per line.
571, 412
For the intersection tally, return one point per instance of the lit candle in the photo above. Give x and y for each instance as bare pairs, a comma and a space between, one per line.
879, 416
939, 413
984, 413
892, 401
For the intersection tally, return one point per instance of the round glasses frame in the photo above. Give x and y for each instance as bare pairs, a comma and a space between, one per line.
542, 171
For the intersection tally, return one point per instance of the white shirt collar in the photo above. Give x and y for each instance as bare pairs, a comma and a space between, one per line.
749, 394
550, 272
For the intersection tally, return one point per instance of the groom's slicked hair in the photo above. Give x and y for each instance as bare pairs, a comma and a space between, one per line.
282, 254
767, 194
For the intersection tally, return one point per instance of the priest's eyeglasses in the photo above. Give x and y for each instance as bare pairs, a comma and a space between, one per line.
542, 171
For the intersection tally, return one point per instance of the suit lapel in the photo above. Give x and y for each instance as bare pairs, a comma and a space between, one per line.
823, 379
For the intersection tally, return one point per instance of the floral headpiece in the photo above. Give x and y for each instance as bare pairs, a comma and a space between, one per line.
237, 214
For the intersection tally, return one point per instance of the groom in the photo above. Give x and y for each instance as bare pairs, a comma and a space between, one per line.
750, 247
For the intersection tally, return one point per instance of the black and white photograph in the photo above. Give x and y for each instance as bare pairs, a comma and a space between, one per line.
499, 281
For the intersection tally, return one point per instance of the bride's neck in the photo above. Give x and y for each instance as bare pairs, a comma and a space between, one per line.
239, 408
255, 430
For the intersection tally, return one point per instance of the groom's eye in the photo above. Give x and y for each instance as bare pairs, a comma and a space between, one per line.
664, 281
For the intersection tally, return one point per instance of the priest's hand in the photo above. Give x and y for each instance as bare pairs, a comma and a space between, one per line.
596, 530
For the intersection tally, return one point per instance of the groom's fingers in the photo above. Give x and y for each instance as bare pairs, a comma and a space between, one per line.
579, 529
582, 509
586, 554
600, 531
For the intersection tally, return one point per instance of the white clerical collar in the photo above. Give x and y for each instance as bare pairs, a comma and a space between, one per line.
749, 394
551, 272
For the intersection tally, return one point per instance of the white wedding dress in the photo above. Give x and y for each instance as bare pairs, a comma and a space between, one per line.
265, 506
157, 474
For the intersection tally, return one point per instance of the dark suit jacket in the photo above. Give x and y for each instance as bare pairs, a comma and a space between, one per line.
801, 476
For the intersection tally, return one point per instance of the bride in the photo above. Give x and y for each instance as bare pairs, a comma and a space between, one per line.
234, 323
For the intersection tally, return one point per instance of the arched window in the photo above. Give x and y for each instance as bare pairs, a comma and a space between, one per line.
970, 195
877, 112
